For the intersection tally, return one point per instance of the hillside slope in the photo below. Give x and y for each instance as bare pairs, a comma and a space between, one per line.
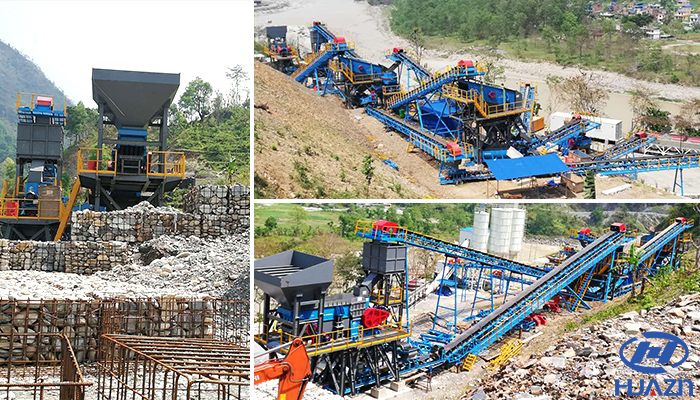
18, 74
313, 147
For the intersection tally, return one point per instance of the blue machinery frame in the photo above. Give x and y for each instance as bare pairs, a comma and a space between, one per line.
618, 160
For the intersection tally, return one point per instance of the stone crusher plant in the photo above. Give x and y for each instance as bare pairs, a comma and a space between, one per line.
475, 130
365, 339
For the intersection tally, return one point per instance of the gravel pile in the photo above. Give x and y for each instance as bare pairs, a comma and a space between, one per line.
211, 267
584, 364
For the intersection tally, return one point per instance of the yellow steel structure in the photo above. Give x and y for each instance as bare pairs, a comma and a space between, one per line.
67, 210
512, 348
469, 362
472, 96
343, 339
27, 100
101, 161
438, 76
174, 164
310, 58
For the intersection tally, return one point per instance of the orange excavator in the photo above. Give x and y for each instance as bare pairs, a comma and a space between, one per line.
293, 371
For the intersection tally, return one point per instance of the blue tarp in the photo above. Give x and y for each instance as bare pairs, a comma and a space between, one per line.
513, 168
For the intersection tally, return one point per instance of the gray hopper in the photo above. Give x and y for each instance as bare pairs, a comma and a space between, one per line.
133, 98
291, 273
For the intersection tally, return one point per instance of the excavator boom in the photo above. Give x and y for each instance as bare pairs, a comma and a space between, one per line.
293, 372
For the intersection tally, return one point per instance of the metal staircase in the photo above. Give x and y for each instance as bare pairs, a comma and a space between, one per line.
320, 59
432, 84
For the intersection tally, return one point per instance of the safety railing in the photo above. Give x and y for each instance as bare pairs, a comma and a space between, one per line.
28, 101
438, 77
100, 161
31, 209
312, 57
390, 90
396, 295
353, 77
343, 339
166, 164
471, 96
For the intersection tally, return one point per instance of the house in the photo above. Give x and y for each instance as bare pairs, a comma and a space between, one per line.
683, 13
653, 33
694, 18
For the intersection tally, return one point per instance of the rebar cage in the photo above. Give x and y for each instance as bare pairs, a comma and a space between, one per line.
38, 366
140, 367
224, 320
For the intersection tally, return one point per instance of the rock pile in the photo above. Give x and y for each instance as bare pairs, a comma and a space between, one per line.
585, 363
77, 257
210, 212
210, 267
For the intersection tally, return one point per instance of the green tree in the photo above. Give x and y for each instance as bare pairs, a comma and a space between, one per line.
348, 268
196, 100
81, 122
597, 216
299, 215
368, 169
633, 260
271, 223
8, 171
657, 120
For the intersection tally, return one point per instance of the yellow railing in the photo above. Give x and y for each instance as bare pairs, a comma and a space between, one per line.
24, 209
100, 161
341, 339
396, 295
173, 164
438, 76
3, 195
28, 100
310, 58
390, 90
471, 96
354, 78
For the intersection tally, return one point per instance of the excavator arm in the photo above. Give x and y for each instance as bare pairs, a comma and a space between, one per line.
293, 372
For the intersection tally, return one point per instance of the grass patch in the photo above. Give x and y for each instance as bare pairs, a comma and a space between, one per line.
571, 326
666, 287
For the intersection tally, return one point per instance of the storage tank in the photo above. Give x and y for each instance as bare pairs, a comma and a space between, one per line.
466, 236
480, 235
518, 230
501, 229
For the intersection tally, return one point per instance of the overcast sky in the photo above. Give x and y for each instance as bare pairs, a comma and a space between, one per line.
193, 38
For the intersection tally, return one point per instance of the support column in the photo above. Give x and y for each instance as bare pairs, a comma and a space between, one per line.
321, 308
266, 316
297, 317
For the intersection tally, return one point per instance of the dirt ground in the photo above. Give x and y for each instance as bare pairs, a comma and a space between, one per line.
307, 146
